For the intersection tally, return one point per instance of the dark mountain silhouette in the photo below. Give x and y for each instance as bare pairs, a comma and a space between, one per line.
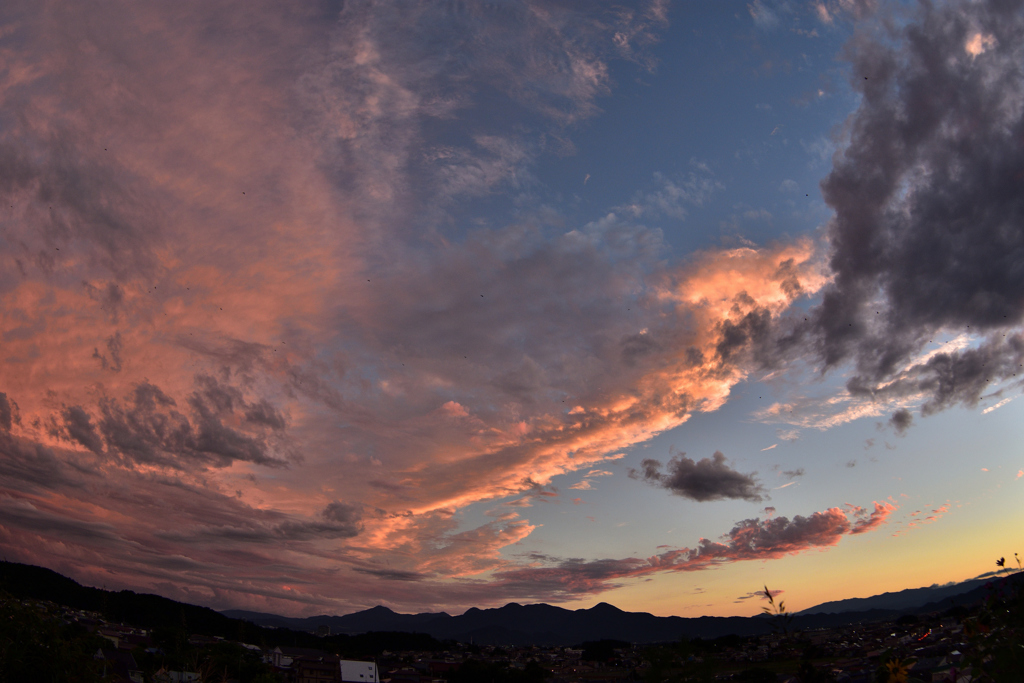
143, 609
378, 618
543, 624
514, 624
908, 599
165, 616
526, 624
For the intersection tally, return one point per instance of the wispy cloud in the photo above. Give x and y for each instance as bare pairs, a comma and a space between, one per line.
920, 517
997, 406
673, 197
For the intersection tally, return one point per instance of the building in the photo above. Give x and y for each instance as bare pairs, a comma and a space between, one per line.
324, 669
358, 672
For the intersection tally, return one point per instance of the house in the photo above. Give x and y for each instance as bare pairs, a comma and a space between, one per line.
119, 665
282, 656
316, 669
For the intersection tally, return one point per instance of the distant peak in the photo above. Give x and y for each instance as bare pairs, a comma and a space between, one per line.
605, 607
380, 609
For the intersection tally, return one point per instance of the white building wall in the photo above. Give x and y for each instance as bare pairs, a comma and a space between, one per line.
358, 672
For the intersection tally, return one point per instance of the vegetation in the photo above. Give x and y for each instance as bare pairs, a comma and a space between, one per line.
173, 622
36, 646
996, 632
781, 619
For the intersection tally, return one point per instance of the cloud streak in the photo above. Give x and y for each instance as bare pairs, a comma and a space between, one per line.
749, 539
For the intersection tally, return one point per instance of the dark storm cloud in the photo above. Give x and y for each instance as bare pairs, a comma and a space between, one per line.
928, 233
927, 241
702, 480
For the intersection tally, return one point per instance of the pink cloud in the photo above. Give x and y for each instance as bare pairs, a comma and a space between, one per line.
870, 522
239, 344
915, 521
750, 539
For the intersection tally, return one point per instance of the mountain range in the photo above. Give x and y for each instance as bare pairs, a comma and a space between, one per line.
513, 624
908, 599
543, 624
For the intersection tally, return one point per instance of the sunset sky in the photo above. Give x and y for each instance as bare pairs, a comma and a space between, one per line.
308, 307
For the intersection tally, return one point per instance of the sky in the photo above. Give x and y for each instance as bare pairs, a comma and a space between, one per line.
311, 307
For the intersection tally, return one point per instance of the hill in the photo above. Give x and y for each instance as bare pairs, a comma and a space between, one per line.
514, 624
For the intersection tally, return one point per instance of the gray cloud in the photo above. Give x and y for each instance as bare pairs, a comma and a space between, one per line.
114, 348
346, 517
78, 424
702, 480
338, 521
263, 413
391, 574
928, 210
928, 233
901, 421
948, 379
31, 467
147, 427
26, 515
7, 412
